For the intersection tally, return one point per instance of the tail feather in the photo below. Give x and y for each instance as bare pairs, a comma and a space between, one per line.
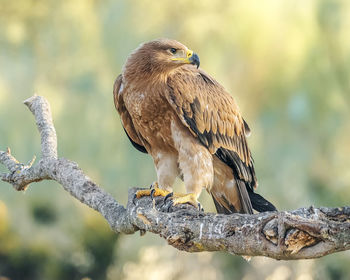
233, 187
221, 209
249, 200
244, 197
226, 205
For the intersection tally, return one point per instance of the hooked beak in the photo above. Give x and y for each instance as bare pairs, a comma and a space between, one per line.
194, 59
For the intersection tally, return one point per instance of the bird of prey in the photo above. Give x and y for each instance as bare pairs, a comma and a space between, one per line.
190, 125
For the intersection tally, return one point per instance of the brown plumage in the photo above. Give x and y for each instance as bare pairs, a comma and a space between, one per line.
189, 124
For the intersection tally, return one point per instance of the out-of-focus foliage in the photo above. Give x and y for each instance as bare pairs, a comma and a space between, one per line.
87, 252
287, 63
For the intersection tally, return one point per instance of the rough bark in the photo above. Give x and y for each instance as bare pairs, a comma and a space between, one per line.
299, 234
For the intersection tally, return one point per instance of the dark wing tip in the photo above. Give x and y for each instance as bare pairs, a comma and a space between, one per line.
137, 146
259, 203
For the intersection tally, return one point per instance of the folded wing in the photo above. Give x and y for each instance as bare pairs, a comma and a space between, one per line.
212, 116
125, 116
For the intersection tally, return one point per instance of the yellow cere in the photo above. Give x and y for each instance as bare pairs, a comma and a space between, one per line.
189, 53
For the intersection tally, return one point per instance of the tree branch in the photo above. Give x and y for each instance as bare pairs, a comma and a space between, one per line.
299, 234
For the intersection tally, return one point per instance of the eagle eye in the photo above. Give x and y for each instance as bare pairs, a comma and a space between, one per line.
173, 50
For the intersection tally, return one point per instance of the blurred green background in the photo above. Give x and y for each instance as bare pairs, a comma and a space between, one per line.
287, 63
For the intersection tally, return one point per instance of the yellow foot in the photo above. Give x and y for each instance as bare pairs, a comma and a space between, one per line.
152, 192
189, 198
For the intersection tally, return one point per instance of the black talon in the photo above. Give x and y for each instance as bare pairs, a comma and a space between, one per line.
167, 196
200, 208
152, 194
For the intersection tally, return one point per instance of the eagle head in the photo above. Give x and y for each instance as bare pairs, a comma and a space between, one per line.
160, 56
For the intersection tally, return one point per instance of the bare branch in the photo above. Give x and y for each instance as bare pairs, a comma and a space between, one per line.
299, 234
40, 108
20, 175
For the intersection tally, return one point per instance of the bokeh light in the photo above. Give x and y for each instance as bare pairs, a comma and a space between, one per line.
285, 62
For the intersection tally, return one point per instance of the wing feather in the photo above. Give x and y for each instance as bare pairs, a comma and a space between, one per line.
208, 111
212, 115
125, 116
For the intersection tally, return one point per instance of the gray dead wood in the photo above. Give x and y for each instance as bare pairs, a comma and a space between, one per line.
300, 234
